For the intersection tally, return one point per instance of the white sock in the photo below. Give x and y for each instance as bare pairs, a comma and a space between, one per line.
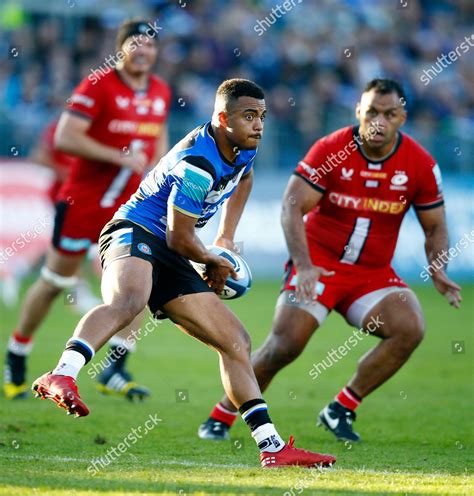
268, 439
20, 348
70, 363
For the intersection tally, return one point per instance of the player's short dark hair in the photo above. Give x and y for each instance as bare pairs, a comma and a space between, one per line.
231, 89
131, 27
385, 87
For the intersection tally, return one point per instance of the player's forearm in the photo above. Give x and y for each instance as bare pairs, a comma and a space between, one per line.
295, 235
234, 208
188, 246
437, 245
86, 147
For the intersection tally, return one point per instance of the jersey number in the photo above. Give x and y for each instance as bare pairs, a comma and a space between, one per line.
356, 241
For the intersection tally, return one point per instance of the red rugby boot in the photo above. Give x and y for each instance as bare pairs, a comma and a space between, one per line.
290, 456
62, 390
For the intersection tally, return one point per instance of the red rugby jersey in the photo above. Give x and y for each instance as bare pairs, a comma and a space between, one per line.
62, 161
358, 219
123, 118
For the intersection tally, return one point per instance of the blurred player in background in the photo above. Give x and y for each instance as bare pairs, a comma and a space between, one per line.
60, 163
341, 216
146, 251
115, 125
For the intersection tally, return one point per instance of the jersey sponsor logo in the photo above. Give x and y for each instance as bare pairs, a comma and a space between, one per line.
82, 100
347, 174
142, 110
122, 101
366, 203
373, 175
371, 183
144, 248
119, 126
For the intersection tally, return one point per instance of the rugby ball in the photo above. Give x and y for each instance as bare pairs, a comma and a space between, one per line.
234, 288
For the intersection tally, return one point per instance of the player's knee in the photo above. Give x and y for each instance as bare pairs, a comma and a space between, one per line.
52, 283
126, 309
281, 351
239, 345
411, 335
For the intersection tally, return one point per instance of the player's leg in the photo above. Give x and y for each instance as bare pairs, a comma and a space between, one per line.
293, 325
115, 379
398, 320
204, 317
394, 315
126, 286
58, 273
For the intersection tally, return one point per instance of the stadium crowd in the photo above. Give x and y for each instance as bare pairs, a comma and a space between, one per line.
312, 58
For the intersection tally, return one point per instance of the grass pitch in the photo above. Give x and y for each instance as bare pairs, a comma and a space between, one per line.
417, 429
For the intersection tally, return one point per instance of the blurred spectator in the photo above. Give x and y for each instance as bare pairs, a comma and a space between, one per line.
312, 62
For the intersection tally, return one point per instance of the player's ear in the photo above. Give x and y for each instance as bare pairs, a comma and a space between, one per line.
403, 118
357, 111
222, 117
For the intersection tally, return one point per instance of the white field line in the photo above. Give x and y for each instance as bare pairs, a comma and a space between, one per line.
189, 463
185, 463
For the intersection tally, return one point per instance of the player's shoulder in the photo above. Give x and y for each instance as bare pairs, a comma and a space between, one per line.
337, 139
157, 83
195, 150
415, 153
340, 136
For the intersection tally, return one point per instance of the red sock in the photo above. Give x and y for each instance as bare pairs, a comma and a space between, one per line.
348, 398
223, 415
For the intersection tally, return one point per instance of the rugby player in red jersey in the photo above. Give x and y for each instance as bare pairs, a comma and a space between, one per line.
44, 153
341, 216
115, 124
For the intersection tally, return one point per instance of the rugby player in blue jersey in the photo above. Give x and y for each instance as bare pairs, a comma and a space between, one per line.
145, 251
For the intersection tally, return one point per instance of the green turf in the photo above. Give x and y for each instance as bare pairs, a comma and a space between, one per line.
417, 429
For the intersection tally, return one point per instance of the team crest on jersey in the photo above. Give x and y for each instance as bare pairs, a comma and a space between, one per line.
122, 101
399, 181
159, 106
347, 174
144, 248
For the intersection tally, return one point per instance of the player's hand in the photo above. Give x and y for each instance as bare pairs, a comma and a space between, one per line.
224, 243
306, 282
449, 289
137, 161
217, 272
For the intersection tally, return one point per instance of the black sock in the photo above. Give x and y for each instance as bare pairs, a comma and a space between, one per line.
16, 367
118, 356
79, 347
255, 413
